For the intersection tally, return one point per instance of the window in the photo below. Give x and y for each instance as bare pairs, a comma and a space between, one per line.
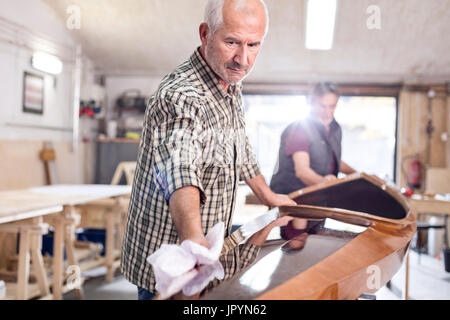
368, 124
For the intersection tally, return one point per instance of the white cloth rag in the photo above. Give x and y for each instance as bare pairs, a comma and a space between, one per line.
188, 267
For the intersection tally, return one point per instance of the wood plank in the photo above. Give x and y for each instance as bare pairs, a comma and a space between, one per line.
329, 266
437, 181
412, 138
429, 205
14, 205
24, 265
72, 167
38, 264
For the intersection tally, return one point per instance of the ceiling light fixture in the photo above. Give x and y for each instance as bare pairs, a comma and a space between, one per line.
320, 22
47, 63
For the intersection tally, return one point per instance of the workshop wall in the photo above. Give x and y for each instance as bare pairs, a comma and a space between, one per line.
412, 136
25, 35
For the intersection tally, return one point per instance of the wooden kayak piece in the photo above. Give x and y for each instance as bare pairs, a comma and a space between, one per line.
347, 267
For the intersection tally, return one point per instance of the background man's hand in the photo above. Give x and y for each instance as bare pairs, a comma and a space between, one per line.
259, 238
330, 177
277, 200
281, 222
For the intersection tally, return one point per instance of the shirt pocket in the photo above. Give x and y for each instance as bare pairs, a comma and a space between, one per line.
224, 154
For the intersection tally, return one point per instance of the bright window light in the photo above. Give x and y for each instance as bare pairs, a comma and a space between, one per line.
46, 63
320, 21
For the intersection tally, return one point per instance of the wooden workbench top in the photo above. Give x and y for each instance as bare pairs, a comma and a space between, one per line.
424, 204
28, 203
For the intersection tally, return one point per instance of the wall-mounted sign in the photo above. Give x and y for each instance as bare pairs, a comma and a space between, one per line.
33, 93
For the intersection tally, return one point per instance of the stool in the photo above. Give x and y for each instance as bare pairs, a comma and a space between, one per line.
426, 226
30, 246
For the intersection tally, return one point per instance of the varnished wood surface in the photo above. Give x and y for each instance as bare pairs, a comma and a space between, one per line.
375, 254
345, 274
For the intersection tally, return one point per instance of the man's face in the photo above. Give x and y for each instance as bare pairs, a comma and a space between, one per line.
232, 50
323, 108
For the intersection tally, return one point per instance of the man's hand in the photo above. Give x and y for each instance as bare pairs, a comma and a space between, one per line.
267, 196
277, 200
281, 222
330, 177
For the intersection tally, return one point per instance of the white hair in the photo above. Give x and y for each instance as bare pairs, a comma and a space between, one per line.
214, 14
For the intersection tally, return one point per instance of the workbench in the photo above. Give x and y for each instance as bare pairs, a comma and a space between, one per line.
429, 205
57, 205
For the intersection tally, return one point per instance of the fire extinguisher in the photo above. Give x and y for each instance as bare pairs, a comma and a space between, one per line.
414, 170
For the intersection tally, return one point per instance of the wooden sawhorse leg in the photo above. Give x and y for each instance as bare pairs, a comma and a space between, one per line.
113, 228
38, 264
115, 212
23, 271
64, 224
406, 293
29, 251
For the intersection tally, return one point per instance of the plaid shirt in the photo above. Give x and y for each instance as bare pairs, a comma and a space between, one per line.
193, 135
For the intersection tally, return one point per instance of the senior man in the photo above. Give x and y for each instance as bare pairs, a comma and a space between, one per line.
193, 149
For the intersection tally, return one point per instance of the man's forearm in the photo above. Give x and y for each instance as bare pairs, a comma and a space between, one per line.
345, 168
260, 188
184, 207
309, 176
267, 196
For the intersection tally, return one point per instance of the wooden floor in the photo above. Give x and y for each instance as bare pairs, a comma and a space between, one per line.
427, 279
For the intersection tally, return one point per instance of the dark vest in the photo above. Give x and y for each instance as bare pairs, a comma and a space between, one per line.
321, 152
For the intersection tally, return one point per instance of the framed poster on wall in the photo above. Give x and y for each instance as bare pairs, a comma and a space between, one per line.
33, 93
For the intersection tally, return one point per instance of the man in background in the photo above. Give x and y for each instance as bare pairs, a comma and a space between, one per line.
310, 151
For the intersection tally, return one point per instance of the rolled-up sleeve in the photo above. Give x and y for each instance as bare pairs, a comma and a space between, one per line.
249, 168
177, 145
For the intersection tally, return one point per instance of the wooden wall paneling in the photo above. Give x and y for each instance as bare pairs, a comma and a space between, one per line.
402, 137
439, 115
437, 180
412, 137
448, 131
75, 168
21, 166
412, 141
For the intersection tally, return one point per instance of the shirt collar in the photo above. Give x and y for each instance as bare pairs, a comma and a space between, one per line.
333, 124
209, 78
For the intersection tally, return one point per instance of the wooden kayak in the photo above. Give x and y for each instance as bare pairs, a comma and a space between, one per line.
326, 263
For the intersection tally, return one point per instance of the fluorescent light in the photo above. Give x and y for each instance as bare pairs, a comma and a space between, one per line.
46, 63
320, 21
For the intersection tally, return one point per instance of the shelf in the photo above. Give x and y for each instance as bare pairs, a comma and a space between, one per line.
118, 140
